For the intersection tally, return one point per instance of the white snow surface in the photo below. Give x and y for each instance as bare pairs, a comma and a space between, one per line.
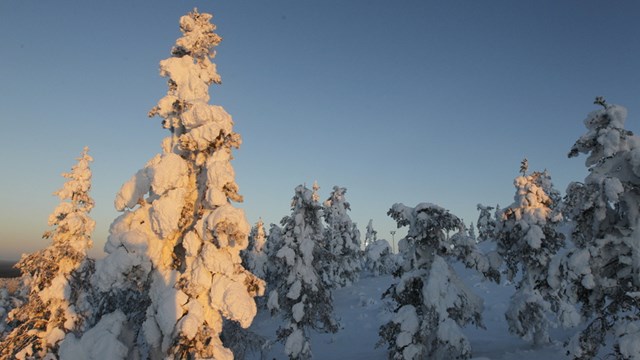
361, 312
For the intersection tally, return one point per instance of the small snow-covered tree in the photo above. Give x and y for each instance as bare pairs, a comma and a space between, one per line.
527, 240
57, 276
273, 244
602, 272
432, 301
6, 305
299, 294
472, 232
371, 235
378, 258
486, 223
341, 240
524, 166
173, 268
255, 255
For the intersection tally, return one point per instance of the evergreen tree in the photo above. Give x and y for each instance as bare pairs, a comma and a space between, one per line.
305, 301
371, 236
524, 166
6, 305
378, 258
341, 240
472, 232
527, 241
273, 244
56, 278
601, 273
173, 268
254, 256
486, 223
432, 302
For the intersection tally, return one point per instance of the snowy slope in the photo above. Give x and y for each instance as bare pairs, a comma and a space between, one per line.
361, 312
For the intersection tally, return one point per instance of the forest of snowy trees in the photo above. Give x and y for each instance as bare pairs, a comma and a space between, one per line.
185, 274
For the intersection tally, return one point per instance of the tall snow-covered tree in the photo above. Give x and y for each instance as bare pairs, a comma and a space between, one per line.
342, 241
59, 293
432, 301
602, 272
173, 268
255, 255
299, 294
527, 239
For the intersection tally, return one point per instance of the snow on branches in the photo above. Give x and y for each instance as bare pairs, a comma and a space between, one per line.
342, 241
299, 294
528, 239
173, 266
601, 273
57, 277
432, 302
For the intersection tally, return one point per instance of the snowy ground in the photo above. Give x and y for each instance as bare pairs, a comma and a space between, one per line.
361, 312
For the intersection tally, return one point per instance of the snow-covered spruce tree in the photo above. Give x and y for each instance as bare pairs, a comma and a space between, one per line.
255, 256
432, 302
173, 267
8, 302
486, 223
371, 235
602, 273
341, 240
57, 276
378, 258
527, 239
272, 266
299, 294
6, 305
472, 232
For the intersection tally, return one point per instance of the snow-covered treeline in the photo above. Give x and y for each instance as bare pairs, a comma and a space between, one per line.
185, 275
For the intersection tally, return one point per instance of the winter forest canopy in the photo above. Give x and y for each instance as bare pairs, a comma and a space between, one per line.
185, 273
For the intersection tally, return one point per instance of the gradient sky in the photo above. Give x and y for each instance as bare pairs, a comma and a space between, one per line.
398, 101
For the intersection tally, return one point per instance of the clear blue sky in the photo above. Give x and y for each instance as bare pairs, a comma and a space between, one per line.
399, 101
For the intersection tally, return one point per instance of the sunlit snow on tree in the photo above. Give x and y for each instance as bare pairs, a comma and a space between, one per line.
173, 269
56, 278
527, 238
